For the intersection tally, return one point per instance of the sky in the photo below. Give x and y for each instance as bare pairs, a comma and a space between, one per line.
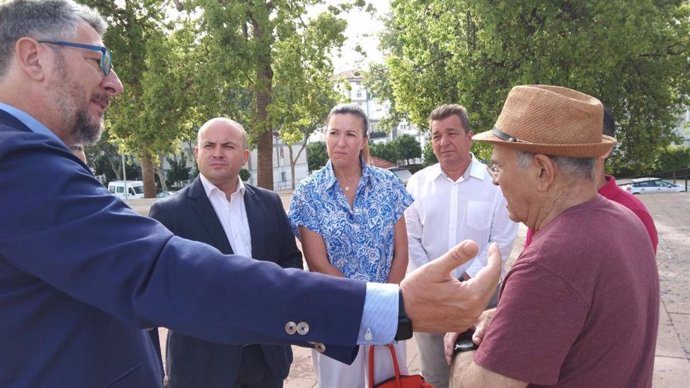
362, 28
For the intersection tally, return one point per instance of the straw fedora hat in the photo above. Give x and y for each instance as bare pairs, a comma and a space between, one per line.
550, 120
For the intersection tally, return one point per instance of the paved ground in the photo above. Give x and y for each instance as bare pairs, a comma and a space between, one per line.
671, 214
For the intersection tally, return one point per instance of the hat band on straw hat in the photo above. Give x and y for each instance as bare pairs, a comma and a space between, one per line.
506, 137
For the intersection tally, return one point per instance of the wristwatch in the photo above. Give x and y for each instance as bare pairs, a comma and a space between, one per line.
464, 342
404, 323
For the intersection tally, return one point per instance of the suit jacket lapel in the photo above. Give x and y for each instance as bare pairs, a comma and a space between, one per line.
256, 227
207, 216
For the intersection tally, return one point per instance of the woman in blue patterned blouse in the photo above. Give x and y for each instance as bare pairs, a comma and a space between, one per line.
349, 219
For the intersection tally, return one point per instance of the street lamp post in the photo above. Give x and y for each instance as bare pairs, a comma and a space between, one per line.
124, 173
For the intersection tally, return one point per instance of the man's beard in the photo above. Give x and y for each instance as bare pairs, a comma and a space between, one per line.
85, 131
82, 129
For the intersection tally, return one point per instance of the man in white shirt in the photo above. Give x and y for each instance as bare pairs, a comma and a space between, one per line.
237, 218
455, 200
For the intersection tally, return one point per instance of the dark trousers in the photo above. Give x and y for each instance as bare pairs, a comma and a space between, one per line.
254, 371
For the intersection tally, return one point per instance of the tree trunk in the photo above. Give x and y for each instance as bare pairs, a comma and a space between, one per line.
147, 175
161, 174
117, 169
264, 84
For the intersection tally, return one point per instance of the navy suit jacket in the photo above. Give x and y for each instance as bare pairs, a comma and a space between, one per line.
189, 214
82, 275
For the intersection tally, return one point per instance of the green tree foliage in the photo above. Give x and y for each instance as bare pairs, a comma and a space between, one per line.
673, 158
261, 63
303, 93
402, 148
406, 148
316, 155
385, 151
272, 58
178, 175
144, 121
428, 155
245, 174
633, 55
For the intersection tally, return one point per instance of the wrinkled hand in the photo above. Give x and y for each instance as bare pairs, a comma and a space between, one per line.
436, 302
482, 325
449, 344
478, 336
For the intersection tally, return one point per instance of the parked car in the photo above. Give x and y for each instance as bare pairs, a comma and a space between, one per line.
164, 194
652, 185
402, 173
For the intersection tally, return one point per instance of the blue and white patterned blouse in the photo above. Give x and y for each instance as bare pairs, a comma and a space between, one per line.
359, 240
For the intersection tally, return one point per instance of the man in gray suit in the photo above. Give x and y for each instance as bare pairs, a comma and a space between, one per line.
237, 218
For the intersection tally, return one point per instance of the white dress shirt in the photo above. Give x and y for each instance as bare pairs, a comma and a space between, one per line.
232, 215
446, 212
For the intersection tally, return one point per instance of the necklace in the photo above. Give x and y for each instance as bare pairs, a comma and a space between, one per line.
346, 186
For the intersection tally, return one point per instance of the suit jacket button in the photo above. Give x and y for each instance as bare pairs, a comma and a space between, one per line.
303, 328
291, 328
319, 347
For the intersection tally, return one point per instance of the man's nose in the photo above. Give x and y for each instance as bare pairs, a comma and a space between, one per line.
112, 84
217, 152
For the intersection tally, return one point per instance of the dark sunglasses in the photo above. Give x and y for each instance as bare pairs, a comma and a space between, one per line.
106, 62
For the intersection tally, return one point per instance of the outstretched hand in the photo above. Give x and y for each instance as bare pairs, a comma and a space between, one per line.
436, 302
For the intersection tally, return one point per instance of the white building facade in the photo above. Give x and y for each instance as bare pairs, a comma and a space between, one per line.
375, 111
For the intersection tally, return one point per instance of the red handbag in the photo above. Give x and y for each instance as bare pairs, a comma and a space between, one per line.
397, 381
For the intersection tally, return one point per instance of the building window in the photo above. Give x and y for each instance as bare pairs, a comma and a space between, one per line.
281, 153
283, 176
359, 93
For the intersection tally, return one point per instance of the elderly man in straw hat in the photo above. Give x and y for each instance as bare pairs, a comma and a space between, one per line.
580, 306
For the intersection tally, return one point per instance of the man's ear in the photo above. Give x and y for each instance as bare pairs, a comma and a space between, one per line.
546, 171
30, 58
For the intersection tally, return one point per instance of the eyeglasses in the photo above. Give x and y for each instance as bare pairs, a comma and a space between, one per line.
106, 61
494, 170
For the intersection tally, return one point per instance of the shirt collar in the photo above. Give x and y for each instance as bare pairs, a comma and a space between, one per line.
330, 180
28, 120
210, 187
609, 189
476, 169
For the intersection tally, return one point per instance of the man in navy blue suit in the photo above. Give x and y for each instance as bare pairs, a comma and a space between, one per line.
237, 218
82, 275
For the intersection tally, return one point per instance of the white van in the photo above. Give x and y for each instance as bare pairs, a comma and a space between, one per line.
135, 189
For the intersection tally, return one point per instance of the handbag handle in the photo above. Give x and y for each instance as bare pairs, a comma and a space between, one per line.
395, 365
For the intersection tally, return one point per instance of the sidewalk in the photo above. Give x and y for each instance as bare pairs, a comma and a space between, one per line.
671, 213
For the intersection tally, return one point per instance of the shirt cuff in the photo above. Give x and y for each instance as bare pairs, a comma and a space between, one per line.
380, 316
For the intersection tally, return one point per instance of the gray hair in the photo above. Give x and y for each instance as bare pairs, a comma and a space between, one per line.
575, 167
42, 19
444, 111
